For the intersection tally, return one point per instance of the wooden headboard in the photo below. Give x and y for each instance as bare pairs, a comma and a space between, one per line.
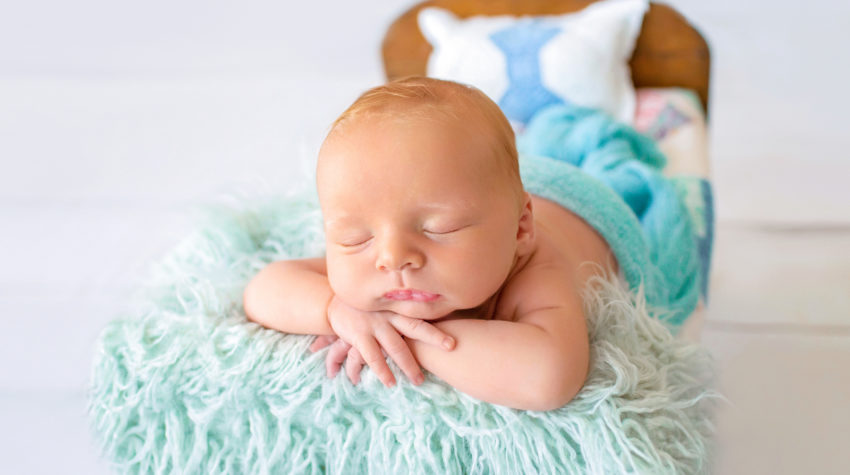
669, 51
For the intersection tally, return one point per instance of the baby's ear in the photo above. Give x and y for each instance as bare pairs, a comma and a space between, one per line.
525, 230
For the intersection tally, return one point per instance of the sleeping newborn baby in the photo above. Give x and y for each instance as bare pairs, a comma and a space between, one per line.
436, 256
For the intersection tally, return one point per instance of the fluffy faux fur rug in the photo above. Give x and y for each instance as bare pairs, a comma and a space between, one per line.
184, 384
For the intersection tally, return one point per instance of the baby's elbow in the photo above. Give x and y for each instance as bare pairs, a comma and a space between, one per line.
252, 302
248, 303
255, 301
557, 396
558, 384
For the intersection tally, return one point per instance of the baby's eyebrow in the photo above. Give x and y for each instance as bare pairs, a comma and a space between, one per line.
345, 219
438, 206
337, 221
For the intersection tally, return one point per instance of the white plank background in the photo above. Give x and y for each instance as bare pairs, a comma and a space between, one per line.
116, 119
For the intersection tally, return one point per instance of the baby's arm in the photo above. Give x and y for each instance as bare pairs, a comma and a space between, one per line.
538, 362
290, 296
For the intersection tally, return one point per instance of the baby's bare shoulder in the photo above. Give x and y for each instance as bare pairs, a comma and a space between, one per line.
546, 282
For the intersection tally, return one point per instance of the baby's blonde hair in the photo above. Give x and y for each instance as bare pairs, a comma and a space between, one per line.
423, 97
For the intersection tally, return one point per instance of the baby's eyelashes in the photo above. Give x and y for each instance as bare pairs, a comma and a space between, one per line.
442, 229
355, 242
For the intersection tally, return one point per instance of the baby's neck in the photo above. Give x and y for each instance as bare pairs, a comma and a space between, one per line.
485, 311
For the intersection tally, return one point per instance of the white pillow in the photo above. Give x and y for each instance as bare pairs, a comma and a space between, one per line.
526, 63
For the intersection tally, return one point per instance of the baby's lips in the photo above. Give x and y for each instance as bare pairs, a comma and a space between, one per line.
398, 295
411, 294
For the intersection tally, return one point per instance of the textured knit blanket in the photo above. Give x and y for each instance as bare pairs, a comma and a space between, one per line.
610, 175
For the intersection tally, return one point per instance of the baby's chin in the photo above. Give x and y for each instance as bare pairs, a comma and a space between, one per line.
422, 315
417, 310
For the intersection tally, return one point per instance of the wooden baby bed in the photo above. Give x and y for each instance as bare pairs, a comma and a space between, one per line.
669, 52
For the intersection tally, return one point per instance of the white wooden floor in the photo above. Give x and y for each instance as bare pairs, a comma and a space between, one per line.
779, 327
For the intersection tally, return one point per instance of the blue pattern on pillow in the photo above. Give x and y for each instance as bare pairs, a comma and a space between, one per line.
521, 44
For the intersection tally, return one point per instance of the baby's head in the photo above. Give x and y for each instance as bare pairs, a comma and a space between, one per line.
423, 205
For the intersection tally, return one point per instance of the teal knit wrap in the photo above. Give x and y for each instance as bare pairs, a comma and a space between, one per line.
610, 175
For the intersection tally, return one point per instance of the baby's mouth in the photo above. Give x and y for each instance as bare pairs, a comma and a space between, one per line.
411, 294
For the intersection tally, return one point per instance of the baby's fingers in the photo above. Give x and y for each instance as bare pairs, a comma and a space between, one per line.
374, 357
336, 355
398, 350
423, 331
322, 341
353, 365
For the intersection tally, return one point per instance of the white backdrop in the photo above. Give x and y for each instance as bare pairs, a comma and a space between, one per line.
108, 100
116, 117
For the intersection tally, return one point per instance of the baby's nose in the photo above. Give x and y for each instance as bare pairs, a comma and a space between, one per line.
395, 254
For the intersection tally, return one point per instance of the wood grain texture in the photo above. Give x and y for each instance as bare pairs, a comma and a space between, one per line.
669, 52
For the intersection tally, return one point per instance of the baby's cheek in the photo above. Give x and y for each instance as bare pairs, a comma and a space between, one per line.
349, 283
484, 272
340, 275
465, 286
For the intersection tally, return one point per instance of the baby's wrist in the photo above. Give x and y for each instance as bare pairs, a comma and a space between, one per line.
328, 312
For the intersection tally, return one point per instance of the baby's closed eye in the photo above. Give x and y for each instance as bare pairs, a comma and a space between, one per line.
443, 227
354, 241
442, 230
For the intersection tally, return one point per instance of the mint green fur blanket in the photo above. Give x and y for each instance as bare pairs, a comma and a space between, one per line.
183, 383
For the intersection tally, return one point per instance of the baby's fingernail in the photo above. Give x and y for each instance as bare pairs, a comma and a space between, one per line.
448, 343
419, 379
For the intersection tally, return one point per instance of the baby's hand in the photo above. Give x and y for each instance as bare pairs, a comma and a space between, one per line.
340, 351
369, 336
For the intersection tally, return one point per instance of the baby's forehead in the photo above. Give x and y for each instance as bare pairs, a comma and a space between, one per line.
349, 192
378, 130
347, 199
344, 211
